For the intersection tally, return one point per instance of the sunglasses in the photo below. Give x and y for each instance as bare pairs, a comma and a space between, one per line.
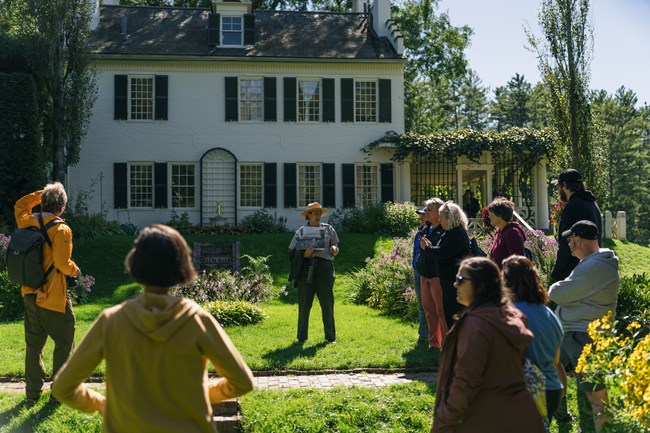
460, 279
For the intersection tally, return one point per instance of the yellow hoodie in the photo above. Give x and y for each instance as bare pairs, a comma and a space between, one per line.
156, 349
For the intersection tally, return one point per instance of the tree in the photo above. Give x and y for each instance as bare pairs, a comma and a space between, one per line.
474, 102
55, 33
512, 104
564, 56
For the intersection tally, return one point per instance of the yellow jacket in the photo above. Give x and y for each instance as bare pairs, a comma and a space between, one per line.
52, 295
156, 349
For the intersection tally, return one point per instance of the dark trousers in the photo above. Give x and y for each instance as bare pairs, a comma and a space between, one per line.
449, 301
40, 324
321, 285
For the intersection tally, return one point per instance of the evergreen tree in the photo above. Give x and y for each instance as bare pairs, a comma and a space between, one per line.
512, 104
474, 102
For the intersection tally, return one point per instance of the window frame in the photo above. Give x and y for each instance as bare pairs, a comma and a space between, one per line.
301, 198
260, 186
359, 186
129, 113
240, 99
375, 102
224, 31
319, 93
130, 187
170, 177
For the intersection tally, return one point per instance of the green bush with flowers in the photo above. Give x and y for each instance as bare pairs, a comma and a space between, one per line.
621, 360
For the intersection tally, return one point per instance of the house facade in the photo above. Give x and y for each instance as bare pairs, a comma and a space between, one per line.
220, 112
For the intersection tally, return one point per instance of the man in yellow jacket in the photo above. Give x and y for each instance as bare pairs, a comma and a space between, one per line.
48, 312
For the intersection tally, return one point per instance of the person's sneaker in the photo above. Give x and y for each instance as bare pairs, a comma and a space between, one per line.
54, 401
331, 341
31, 402
563, 417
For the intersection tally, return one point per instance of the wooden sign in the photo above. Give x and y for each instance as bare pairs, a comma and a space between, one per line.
224, 256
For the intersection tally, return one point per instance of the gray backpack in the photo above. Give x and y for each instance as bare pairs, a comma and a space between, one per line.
25, 254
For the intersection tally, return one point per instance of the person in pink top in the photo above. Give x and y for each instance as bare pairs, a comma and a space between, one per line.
509, 237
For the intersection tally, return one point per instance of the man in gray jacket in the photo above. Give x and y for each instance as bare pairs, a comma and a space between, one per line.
587, 294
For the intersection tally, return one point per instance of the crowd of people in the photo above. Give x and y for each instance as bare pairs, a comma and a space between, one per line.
485, 315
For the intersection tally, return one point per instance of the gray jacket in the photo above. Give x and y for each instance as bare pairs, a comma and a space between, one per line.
589, 292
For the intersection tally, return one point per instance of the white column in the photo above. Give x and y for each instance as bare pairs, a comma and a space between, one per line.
542, 197
403, 189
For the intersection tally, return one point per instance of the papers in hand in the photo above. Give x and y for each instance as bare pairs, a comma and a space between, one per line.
311, 237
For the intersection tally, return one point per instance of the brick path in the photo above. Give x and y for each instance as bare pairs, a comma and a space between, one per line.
292, 381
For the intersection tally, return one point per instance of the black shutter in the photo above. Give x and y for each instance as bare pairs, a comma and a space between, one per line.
289, 184
328, 100
119, 185
386, 179
384, 101
347, 100
120, 111
289, 99
232, 114
270, 100
348, 185
160, 185
214, 28
270, 184
162, 93
249, 29
329, 191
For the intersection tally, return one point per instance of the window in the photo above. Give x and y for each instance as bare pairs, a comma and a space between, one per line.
141, 185
308, 100
141, 91
366, 184
231, 30
251, 99
309, 184
250, 185
365, 101
183, 185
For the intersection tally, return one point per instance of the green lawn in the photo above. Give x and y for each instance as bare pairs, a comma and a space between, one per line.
365, 339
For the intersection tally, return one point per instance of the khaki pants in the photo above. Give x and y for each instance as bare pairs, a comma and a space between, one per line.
40, 324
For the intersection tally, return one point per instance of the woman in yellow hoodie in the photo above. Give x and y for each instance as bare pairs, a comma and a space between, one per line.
156, 348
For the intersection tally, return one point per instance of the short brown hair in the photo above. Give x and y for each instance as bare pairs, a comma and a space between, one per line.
503, 208
486, 280
160, 257
53, 198
522, 279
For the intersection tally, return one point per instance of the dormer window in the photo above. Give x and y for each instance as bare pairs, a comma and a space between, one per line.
231, 31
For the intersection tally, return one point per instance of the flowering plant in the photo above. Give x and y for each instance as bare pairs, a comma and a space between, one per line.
79, 293
621, 360
556, 211
4, 244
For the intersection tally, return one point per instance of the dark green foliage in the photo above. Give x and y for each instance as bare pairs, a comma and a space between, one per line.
86, 226
394, 219
180, 222
634, 303
10, 299
235, 313
21, 166
261, 221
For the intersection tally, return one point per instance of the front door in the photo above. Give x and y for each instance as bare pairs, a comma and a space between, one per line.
218, 188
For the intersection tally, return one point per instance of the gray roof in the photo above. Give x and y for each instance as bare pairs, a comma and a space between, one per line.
184, 32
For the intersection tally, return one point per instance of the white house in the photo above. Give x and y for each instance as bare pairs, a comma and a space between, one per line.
221, 112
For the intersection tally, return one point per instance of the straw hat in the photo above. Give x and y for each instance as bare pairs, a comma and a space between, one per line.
313, 206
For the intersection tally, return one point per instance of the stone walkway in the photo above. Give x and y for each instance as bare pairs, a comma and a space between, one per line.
294, 381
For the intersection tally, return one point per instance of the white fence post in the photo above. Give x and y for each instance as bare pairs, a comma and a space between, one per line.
621, 219
607, 227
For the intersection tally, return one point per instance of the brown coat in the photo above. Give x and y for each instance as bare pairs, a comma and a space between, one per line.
481, 380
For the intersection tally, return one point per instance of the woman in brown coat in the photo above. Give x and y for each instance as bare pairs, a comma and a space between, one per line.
481, 379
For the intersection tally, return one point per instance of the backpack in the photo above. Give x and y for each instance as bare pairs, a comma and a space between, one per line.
25, 254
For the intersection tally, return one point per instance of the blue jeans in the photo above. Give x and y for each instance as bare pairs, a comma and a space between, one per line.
423, 329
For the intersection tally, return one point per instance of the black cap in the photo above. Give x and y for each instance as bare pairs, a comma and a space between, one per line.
570, 175
584, 229
422, 211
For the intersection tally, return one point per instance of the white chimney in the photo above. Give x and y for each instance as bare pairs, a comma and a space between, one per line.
380, 16
358, 6
94, 14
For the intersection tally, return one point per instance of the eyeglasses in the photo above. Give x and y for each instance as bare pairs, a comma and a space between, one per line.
460, 279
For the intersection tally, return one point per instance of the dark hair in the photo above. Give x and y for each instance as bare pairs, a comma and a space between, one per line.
522, 279
53, 197
576, 186
160, 257
486, 280
503, 208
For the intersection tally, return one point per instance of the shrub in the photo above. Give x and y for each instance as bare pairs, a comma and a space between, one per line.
10, 299
634, 303
261, 221
180, 222
394, 219
80, 293
386, 282
4, 244
88, 227
235, 313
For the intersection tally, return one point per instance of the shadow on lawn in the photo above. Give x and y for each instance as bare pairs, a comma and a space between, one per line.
281, 357
31, 422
